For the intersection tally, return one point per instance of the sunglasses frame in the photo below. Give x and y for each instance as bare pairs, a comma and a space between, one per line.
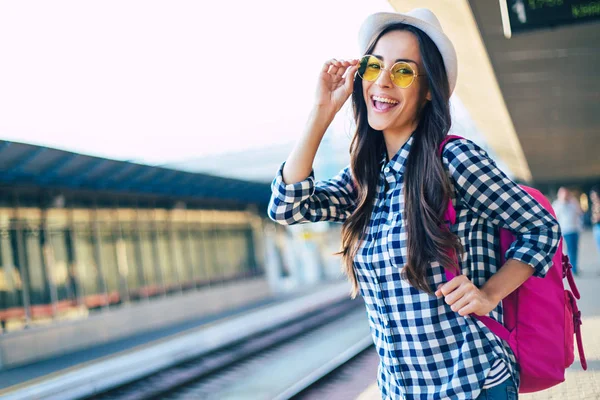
415, 70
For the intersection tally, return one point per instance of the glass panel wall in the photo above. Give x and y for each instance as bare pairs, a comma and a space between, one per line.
57, 259
129, 255
86, 261
148, 262
67, 262
106, 234
163, 254
209, 243
181, 256
12, 311
38, 282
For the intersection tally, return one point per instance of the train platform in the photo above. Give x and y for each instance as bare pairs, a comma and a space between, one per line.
22, 374
579, 384
142, 354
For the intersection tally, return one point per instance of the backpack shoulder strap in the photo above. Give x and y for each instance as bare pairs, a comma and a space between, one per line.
447, 139
450, 214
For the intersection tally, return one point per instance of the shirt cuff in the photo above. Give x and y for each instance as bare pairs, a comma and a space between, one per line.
528, 255
295, 192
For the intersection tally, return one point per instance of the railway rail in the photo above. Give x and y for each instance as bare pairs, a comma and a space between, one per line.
281, 363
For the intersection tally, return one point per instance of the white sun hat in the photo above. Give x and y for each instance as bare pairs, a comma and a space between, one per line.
421, 18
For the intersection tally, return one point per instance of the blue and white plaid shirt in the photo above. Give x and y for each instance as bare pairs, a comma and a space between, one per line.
428, 351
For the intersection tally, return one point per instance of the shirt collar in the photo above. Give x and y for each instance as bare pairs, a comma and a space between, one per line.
397, 165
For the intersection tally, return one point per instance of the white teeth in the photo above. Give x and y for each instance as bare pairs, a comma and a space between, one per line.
384, 100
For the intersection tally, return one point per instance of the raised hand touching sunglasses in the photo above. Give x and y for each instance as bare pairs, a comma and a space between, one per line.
335, 84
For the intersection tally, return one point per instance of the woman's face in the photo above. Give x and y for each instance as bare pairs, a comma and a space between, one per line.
391, 47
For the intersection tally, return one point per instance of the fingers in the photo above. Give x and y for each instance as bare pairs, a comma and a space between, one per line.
470, 308
337, 67
327, 64
464, 297
351, 70
458, 294
459, 304
349, 78
448, 287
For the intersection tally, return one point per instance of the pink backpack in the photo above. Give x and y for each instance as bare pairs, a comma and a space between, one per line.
540, 317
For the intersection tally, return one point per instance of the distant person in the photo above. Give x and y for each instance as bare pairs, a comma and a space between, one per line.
595, 214
569, 214
519, 8
392, 199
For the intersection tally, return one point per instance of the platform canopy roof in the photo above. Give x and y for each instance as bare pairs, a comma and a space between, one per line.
47, 168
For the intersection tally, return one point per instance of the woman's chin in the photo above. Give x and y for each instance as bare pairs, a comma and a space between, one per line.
377, 127
380, 121
377, 124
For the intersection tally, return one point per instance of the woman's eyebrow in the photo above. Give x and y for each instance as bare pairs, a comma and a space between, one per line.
397, 60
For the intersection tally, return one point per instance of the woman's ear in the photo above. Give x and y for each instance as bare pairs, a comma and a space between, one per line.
428, 96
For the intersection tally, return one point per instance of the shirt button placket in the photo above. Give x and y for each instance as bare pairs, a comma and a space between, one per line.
389, 339
384, 317
381, 306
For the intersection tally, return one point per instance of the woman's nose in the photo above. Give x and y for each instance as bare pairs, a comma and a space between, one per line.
384, 79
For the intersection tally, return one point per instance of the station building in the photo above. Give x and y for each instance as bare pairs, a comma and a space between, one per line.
93, 249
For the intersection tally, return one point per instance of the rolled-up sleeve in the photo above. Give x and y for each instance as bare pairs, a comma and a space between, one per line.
487, 191
309, 201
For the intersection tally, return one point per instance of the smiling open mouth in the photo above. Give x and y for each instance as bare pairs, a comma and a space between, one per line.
383, 104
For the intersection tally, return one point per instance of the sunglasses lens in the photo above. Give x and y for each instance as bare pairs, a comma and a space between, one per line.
402, 74
369, 68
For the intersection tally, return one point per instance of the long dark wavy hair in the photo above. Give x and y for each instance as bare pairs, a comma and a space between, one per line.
426, 186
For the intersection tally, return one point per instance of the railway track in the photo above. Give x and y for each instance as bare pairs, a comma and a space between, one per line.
291, 360
347, 381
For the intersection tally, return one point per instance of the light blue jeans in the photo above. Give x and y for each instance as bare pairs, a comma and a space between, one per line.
504, 391
596, 230
572, 241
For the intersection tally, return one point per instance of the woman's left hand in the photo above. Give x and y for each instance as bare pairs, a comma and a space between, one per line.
466, 298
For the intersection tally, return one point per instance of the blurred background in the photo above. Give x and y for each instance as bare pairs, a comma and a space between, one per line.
138, 141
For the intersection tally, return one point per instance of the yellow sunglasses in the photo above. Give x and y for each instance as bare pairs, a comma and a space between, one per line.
402, 73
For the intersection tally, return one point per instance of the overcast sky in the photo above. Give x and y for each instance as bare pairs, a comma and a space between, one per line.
161, 81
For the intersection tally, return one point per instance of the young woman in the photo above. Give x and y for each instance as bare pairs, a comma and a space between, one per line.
391, 200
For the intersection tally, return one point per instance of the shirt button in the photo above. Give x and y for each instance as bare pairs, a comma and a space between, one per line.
386, 170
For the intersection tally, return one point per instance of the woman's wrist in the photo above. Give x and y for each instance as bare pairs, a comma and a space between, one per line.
323, 113
493, 296
508, 278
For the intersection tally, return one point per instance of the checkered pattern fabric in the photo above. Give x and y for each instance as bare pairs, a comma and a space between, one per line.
428, 351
